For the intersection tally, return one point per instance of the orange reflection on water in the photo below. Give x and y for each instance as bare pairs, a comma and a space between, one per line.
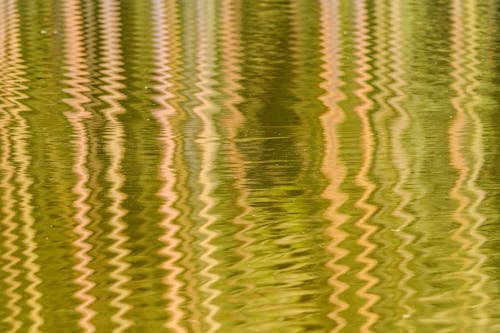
21, 159
76, 78
110, 27
367, 145
165, 21
209, 144
333, 168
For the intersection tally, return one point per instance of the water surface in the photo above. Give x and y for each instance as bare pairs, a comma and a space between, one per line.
249, 166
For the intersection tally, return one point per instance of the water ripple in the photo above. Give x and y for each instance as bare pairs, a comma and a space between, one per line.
402, 163
165, 18
77, 81
205, 109
233, 123
467, 158
10, 254
361, 179
333, 168
110, 23
237, 166
21, 159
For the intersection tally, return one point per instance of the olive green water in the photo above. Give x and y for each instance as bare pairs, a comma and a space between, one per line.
249, 166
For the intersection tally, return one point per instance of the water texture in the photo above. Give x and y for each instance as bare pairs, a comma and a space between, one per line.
249, 166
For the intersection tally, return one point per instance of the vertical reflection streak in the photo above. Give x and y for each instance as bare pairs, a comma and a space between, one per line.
465, 191
362, 179
231, 69
22, 160
76, 73
185, 173
384, 172
9, 226
165, 21
332, 167
209, 146
9, 255
110, 26
456, 131
477, 152
400, 159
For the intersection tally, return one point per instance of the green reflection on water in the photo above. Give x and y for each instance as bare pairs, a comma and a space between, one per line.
237, 166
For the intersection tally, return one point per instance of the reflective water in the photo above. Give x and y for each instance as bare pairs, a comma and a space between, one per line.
244, 166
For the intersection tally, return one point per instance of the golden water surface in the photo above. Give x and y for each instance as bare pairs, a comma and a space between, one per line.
249, 166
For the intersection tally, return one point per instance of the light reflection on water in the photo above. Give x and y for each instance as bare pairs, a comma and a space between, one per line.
232, 166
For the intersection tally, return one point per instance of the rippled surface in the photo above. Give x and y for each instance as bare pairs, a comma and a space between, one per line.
249, 166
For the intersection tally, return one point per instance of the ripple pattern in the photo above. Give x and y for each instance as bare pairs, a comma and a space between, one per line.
238, 166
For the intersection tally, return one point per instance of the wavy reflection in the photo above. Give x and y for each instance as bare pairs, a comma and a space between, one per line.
401, 161
367, 142
384, 172
231, 69
226, 166
10, 253
208, 142
333, 168
76, 74
187, 161
467, 157
110, 26
21, 158
165, 21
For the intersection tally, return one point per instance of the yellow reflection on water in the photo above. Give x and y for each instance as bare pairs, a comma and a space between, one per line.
467, 157
402, 164
10, 253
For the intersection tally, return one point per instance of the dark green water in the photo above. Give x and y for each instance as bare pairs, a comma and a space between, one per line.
249, 166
